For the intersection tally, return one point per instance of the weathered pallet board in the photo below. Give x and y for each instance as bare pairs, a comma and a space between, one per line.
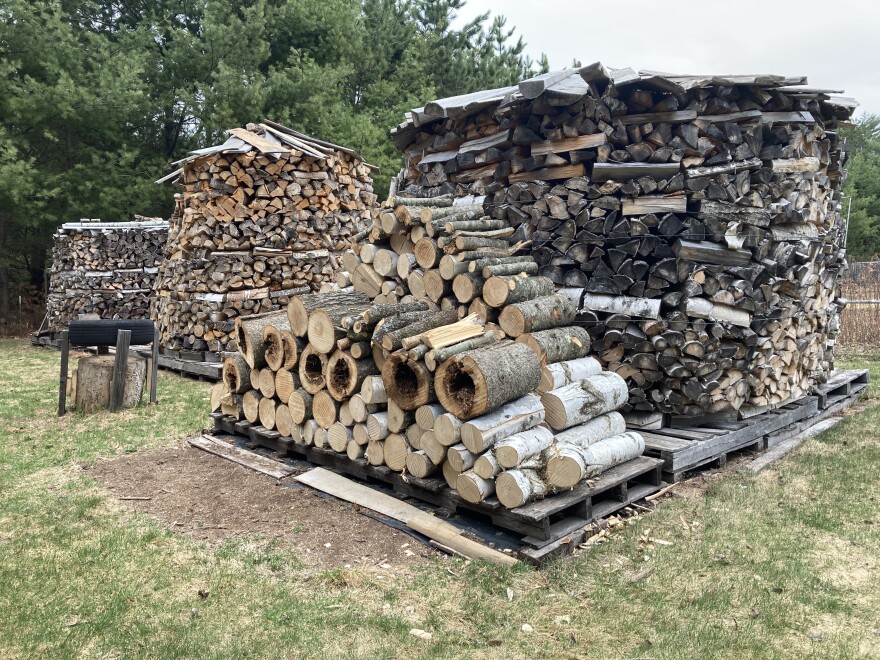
199, 369
684, 449
840, 384
540, 522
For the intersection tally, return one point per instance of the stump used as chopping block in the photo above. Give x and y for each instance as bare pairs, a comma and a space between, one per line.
94, 378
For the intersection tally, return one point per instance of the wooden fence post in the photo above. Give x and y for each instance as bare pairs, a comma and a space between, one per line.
120, 369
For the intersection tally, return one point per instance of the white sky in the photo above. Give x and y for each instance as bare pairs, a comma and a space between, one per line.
835, 44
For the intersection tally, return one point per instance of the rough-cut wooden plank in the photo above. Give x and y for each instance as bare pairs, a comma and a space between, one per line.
254, 461
654, 204
626, 171
414, 518
569, 144
549, 173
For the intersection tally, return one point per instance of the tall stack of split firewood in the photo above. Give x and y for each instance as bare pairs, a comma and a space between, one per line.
694, 221
263, 216
104, 268
421, 384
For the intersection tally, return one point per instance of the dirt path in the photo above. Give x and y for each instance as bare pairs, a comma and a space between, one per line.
211, 499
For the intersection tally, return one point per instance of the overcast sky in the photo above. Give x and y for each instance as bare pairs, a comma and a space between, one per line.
835, 44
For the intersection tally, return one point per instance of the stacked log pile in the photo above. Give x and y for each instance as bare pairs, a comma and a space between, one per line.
403, 380
104, 268
262, 217
694, 221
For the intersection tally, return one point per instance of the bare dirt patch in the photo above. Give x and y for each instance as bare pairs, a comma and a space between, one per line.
211, 499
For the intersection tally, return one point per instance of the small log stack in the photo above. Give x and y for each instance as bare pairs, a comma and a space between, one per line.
104, 268
264, 216
694, 221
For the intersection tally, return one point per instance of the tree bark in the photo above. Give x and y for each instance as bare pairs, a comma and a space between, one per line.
558, 344
538, 314
583, 400
558, 374
572, 464
481, 433
512, 451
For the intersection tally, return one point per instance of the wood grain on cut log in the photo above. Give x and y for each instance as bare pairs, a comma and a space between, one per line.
538, 314
283, 421
580, 401
487, 466
291, 345
571, 464
286, 383
425, 415
473, 488
447, 429
395, 450
373, 390
300, 405
511, 289
460, 457
517, 448
514, 488
325, 326
562, 373
482, 432
345, 375
267, 383
338, 436
267, 413
467, 286
407, 382
354, 451
377, 425
419, 465
432, 447
250, 402
558, 344
477, 382
236, 373
375, 453
312, 370
310, 430
325, 409
249, 335
218, 391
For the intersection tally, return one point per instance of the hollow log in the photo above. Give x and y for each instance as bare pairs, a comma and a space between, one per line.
345, 375
236, 373
273, 343
312, 370
477, 382
249, 335
408, 383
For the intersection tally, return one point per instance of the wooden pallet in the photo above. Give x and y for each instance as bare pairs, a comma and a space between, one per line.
685, 449
547, 526
842, 384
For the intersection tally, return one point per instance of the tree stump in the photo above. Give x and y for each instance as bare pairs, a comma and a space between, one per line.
94, 376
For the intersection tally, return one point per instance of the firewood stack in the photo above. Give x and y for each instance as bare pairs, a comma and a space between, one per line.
694, 221
262, 217
104, 268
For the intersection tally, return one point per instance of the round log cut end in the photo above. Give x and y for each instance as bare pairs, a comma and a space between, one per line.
354, 451
312, 367
236, 373
267, 413
283, 421
566, 468
473, 488
419, 465
274, 347
267, 383
396, 450
322, 332
339, 436
250, 403
407, 383
325, 409
375, 452
512, 488
300, 405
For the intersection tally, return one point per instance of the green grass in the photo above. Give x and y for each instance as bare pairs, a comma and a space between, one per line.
785, 564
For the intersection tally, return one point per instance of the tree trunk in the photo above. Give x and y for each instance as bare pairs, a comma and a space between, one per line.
511, 289
249, 334
345, 375
512, 451
236, 373
558, 374
94, 376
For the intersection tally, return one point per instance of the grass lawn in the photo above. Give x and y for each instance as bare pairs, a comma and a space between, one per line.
784, 564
